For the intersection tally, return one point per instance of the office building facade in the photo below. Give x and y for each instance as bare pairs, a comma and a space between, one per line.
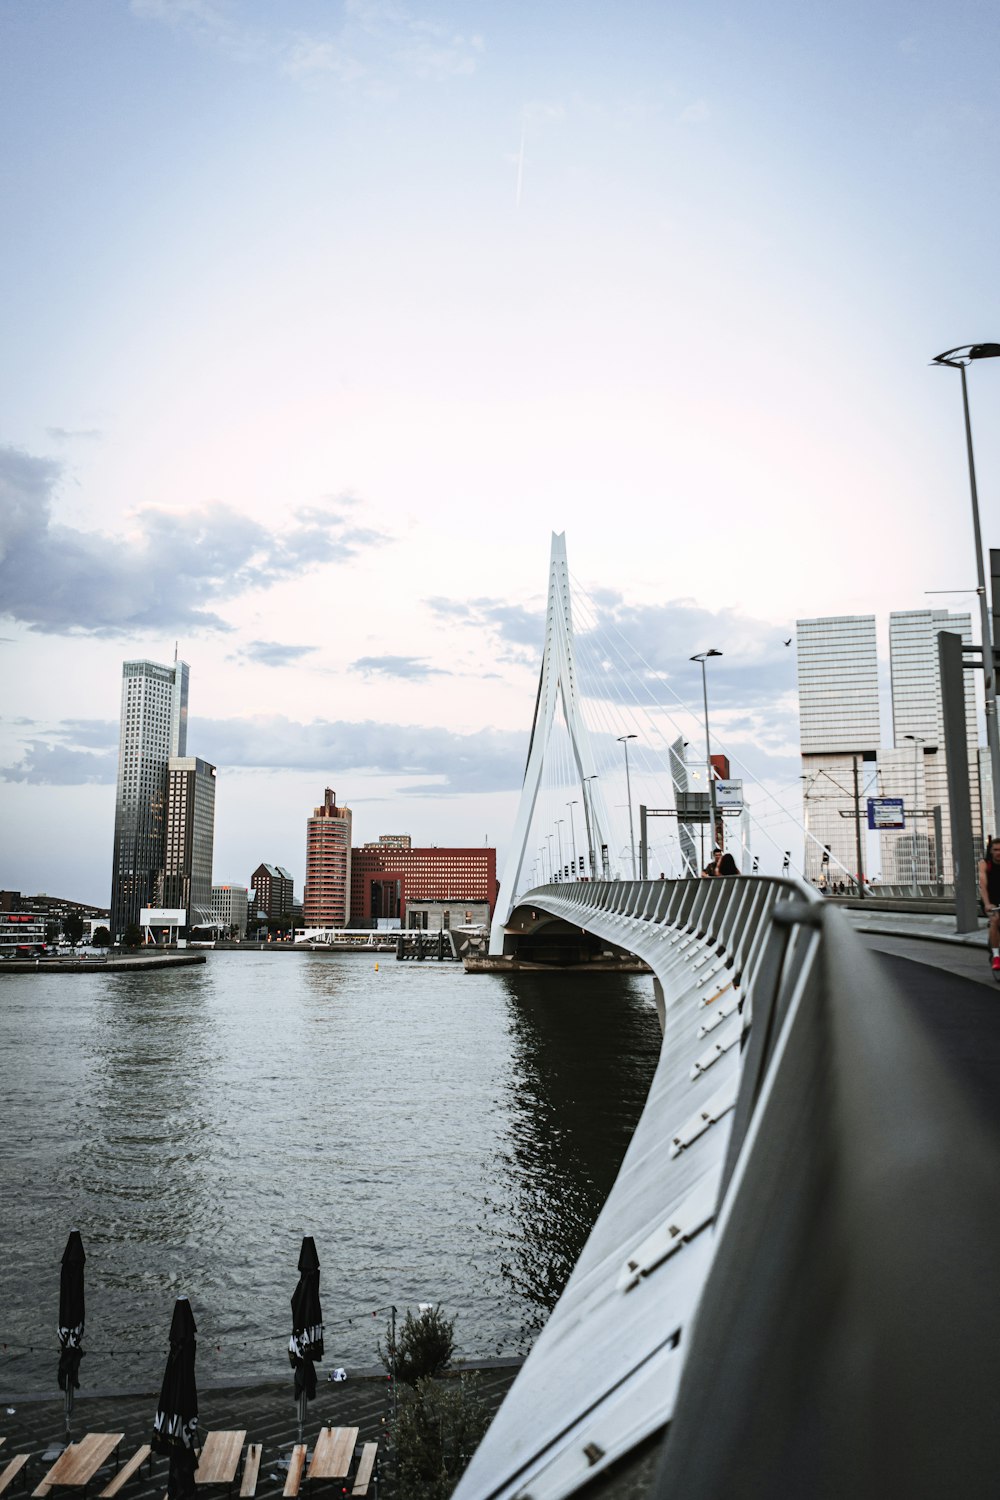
918, 739
384, 878
839, 734
186, 879
154, 712
327, 896
230, 906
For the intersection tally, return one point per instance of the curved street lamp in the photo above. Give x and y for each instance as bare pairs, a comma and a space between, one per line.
957, 359
703, 656
623, 739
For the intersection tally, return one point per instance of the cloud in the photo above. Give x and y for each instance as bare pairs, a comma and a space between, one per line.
274, 653
77, 751
695, 114
162, 573
407, 668
71, 434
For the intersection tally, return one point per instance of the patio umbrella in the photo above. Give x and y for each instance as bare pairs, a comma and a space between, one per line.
306, 1342
71, 1319
175, 1426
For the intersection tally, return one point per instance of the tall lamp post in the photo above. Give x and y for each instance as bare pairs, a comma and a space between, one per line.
918, 740
623, 739
702, 656
572, 830
957, 359
587, 810
559, 823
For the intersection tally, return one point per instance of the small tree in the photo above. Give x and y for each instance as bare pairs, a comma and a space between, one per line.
424, 1345
439, 1428
52, 932
101, 938
73, 927
132, 936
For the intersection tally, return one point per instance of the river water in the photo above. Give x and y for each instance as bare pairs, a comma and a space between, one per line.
444, 1137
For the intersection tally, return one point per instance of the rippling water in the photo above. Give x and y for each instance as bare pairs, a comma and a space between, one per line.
445, 1138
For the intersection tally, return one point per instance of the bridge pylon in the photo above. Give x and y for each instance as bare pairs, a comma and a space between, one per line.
557, 683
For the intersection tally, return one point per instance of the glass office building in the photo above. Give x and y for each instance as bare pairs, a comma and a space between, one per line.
154, 713
837, 661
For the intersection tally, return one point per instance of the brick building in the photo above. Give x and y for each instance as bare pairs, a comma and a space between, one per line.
385, 876
327, 898
272, 893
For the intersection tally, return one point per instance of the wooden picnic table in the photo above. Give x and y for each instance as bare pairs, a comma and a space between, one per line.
77, 1464
220, 1457
333, 1453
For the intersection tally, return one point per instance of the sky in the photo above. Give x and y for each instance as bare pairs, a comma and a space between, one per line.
320, 318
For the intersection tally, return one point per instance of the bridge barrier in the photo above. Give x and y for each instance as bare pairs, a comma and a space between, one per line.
794, 1271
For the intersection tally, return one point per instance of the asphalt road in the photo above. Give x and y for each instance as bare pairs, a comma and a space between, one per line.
952, 991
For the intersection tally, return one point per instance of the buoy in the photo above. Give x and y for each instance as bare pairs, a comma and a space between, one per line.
376, 968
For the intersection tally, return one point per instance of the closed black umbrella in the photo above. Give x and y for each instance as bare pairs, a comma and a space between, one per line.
175, 1426
306, 1342
71, 1319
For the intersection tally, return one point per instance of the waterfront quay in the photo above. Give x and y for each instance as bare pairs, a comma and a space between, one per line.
267, 1412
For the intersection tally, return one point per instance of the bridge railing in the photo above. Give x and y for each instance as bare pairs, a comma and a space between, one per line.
793, 1273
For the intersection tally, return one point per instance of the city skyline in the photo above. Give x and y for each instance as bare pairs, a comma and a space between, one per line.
301, 377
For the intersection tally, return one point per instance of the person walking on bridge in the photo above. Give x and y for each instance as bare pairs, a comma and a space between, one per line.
989, 890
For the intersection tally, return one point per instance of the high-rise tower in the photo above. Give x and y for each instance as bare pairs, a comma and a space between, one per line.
327, 899
186, 880
154, 715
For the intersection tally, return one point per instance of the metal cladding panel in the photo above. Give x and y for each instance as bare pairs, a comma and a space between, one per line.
603, 1373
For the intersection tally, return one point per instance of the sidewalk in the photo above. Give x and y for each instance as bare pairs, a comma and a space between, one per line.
935, 928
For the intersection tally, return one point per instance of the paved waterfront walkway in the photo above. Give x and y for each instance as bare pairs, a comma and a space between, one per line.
268, 1412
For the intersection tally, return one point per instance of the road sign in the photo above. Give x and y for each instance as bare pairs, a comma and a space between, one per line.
729, 795
886, 812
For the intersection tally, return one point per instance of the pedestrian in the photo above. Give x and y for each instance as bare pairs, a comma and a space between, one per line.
989, 891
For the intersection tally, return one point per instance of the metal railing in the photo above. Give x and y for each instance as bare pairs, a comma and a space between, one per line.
793, 1270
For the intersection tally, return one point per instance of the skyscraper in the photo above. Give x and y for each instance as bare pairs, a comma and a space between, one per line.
327, 899
918, 770
838, 722
186, 880
154, 712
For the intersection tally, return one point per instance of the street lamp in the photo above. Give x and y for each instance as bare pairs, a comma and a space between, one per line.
552, 868
572, 829
957, 359
623, 739
559, 823
702, 656
918, 740
587, 814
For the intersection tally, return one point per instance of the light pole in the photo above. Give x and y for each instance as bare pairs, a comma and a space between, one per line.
541, 852
552, 868
623, 739
587, 818
559, 823
957, 359
572, 829
918, 740
702, 656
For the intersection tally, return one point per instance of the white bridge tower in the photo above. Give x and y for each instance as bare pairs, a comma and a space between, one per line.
556, 683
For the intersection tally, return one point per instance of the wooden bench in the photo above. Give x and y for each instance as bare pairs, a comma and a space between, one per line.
11, 1470
125, 1473
362, 1479
79, 1463
296, 1467
251, 1468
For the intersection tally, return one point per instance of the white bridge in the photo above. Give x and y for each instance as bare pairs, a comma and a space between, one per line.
791, 1290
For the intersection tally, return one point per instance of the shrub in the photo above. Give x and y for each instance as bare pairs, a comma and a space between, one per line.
424, 1345
438, 1429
